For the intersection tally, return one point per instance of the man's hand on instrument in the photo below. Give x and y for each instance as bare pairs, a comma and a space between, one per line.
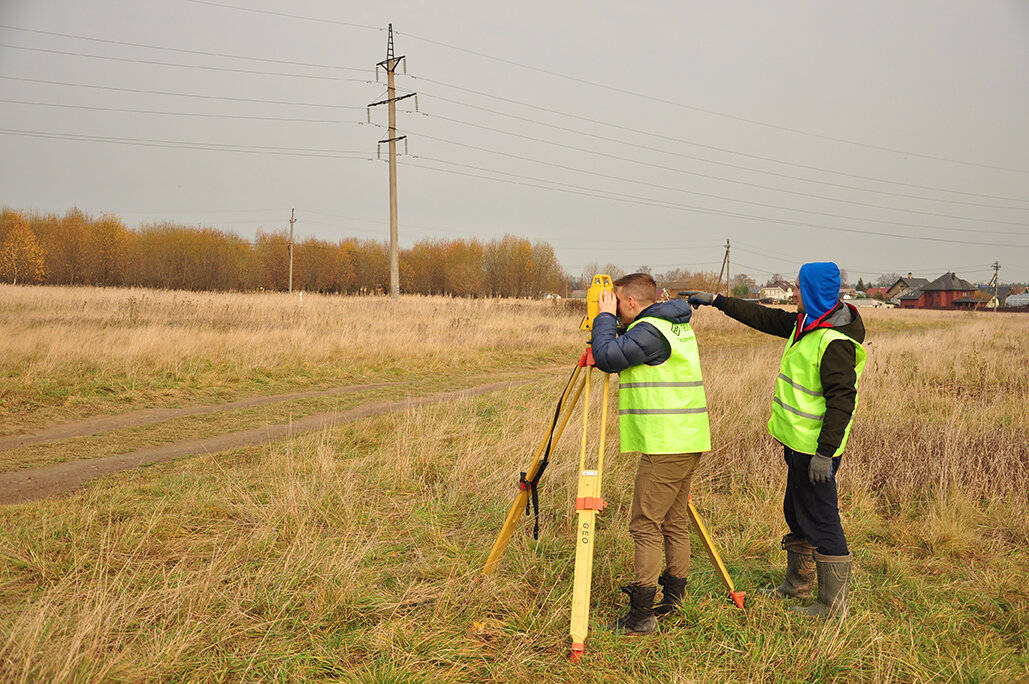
608, 302
698, 298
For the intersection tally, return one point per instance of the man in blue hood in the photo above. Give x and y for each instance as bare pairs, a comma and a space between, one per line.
662, 413
812, 412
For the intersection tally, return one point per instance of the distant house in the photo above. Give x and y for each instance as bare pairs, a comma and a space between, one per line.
946, 292
1017, 300
877, 292
780, 291
903, 285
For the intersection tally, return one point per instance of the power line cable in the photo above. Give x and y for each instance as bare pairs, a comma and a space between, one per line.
622, 90
577, 243
762, 251
215, 147
732, 199
175, 94
286, 15
702, 175
631, 199
682, 141
715, 113
190, 114
730, 180
185, 51
339, 121
183, 66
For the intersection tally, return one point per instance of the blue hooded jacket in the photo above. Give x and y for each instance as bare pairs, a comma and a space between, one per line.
819, 289
614, 353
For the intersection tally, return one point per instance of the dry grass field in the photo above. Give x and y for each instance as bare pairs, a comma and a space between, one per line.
353, 553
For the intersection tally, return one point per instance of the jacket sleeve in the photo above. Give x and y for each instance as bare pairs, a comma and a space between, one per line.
764, 318
839, 384
613, 353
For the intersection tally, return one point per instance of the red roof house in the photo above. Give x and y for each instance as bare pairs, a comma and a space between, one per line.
946, 292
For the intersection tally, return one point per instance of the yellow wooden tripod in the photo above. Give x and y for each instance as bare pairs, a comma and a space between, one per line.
588, 500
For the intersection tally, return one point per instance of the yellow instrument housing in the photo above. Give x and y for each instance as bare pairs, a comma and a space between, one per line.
600, 283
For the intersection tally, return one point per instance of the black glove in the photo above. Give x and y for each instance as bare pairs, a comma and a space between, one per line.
698, 298
819, 471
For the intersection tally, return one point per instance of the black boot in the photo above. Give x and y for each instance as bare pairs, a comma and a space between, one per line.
640, 618
671, 597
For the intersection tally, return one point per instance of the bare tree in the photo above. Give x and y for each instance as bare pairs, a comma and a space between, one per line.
887, 279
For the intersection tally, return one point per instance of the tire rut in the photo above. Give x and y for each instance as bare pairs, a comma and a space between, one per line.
39, 483
99, 424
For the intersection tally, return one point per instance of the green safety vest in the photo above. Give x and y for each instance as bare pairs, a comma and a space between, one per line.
661, 409
798, 409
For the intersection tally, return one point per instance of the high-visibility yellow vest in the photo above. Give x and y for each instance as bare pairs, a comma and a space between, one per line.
662, 409
798, 409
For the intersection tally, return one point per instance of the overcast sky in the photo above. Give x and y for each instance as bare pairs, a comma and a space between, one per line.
886, 136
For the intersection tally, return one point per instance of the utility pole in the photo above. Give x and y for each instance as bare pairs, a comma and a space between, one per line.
996, 284
728, 281
390, 65
291, 221
725, 270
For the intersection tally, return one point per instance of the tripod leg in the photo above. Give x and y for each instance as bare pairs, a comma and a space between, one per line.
588, 505
518, 507
716, 560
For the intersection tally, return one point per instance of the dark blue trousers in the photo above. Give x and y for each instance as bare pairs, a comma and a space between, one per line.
812, 511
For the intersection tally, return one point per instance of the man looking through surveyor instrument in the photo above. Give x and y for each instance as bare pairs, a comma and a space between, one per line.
812, 412
662, 414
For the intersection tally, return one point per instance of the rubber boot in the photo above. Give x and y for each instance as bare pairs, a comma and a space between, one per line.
671, 596
833, 587
800, 569
640, 619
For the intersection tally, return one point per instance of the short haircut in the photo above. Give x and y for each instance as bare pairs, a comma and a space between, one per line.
638, 285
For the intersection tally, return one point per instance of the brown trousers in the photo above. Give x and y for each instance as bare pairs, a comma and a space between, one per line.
660, 518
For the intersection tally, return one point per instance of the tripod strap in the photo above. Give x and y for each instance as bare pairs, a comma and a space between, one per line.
533, 484
532, 501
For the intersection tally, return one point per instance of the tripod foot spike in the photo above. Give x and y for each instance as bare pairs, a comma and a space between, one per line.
576, 655
737, 598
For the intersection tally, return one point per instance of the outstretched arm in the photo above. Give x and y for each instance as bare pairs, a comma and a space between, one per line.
766, 319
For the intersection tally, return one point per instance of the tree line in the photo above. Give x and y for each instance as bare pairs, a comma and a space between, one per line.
77, 249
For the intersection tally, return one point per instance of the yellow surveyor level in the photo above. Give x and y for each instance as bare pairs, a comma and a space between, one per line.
588, 500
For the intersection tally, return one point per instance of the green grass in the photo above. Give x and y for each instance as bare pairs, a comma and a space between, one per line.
353, 555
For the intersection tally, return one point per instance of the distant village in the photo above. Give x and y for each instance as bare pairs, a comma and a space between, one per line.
945, 292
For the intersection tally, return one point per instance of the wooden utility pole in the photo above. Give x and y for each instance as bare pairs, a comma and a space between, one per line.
291, 221
725, 270
996, 284
728, 281
390, 65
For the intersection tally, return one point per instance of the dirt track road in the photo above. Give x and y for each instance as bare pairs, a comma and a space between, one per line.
39, 483
92, 426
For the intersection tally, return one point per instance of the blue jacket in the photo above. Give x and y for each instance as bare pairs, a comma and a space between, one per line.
614, 353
